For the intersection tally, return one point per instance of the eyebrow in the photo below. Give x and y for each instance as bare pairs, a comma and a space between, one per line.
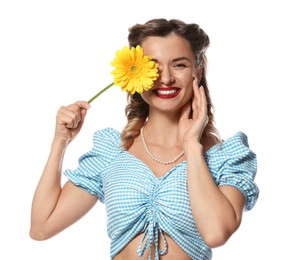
183, 58
177, 59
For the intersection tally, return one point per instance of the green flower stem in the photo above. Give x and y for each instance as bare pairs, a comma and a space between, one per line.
100, 92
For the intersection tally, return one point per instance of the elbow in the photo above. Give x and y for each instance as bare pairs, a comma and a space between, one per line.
38, 234
216, 239
219, 236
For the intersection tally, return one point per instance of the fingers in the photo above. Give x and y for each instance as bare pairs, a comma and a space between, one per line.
83, 104
186, 111
199, 102
203, 100
73, 114
196, 101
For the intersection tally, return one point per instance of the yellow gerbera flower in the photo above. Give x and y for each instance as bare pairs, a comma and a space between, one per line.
134, 71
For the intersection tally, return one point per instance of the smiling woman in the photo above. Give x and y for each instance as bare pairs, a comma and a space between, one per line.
172, 188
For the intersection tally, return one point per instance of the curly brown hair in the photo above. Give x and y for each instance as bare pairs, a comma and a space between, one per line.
137, 109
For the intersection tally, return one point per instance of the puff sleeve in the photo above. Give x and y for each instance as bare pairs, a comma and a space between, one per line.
232, 163
88, 174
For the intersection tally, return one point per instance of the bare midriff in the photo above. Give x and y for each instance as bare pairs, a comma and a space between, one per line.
173, 252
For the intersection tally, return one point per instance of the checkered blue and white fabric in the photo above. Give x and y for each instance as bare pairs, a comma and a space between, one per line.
138, 201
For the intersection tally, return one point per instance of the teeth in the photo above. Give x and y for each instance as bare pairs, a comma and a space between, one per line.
166, 92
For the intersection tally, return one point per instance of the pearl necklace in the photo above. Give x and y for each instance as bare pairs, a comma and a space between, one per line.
153, 157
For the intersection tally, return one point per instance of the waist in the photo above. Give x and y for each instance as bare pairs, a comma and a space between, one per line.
174, 251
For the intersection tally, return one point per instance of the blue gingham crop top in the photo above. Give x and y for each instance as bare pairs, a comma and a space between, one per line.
138, 201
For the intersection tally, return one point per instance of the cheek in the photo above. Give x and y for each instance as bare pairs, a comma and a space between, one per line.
146, 95
189, 93
186, 77
189, 88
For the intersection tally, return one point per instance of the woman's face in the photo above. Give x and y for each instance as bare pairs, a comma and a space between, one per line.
176, 61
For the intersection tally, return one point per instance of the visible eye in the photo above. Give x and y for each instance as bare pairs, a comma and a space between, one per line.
179, 65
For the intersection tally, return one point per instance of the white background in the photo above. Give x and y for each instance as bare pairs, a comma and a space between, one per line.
53, 53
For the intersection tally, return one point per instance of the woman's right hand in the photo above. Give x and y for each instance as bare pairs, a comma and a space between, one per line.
69, 120
54, 208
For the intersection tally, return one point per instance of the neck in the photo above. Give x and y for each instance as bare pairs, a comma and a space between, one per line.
162, 131
181, 154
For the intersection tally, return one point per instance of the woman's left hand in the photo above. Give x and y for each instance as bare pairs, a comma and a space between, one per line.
194, 116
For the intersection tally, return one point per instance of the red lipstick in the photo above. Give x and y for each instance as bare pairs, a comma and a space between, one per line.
165, 93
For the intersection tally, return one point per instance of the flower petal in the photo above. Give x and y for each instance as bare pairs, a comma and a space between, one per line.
134, 71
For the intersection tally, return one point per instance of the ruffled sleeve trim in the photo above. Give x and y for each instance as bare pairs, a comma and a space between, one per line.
233, 163
88, 174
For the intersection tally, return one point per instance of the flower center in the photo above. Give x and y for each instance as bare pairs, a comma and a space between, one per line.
134, 69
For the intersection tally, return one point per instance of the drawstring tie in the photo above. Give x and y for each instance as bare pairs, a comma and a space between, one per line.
152, 232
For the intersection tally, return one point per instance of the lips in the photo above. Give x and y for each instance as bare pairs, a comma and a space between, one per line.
166, 92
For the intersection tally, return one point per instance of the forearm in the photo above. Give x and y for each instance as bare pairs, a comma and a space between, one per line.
49, 187
214, 215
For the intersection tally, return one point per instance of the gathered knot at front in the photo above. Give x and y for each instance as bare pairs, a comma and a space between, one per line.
151, 237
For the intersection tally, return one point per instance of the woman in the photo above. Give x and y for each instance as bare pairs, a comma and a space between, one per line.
172, 188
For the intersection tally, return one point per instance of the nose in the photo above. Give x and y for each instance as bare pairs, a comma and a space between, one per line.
166, 76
